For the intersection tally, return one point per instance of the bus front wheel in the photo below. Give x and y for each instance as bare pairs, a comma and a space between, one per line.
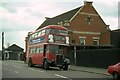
46, 65
65, 67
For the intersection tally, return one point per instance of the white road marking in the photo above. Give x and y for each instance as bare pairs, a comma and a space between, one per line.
15, 61
41, 71
36, 70
17, 66
32, 69
16, 72
61, 76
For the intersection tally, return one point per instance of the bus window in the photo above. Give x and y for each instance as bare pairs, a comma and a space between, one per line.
34, 50
32, 36
30, 50
36, 35
38, 50
63, 32
47, 31
41, 50
59, 38
43, 32
53, 49
39, 33
54, 31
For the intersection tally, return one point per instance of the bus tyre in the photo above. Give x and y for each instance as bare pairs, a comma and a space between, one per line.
30, 64
60, 67
65, 67
46, 65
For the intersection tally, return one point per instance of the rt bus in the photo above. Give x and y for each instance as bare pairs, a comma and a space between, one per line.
48, 47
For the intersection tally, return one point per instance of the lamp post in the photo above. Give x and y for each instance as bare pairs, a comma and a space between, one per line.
2, 45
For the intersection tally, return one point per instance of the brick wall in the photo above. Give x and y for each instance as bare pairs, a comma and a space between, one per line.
97, 25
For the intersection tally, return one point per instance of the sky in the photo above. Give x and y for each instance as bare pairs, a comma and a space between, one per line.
18, 17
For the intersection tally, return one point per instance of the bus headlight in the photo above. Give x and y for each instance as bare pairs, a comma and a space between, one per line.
50, 38
67, 40
67, 61
52, 60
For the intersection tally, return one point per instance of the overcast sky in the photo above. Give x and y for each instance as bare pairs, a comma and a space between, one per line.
18, 17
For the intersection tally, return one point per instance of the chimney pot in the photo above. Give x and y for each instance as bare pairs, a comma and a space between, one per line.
88, 3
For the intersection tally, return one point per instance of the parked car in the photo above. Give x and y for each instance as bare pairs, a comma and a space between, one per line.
114, 70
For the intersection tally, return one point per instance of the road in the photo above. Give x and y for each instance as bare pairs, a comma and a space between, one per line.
18, 69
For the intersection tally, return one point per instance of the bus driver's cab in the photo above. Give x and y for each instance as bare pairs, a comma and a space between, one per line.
56, 57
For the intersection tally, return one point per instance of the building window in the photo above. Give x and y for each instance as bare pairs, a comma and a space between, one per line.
66, 23
82, 40
60, 23
95, 40
88, 19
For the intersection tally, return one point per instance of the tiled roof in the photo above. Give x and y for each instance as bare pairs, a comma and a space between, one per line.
60, 18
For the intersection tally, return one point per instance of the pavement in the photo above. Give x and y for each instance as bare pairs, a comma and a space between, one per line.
89, 69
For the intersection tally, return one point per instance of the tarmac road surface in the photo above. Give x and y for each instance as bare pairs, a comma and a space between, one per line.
19, 70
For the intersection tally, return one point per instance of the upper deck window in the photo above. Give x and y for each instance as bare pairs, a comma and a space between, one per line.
56, 31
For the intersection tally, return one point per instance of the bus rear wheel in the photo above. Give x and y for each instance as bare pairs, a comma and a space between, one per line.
30, 64
46, 65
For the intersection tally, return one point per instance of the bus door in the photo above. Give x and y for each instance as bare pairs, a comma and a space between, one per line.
59, 56
44, 51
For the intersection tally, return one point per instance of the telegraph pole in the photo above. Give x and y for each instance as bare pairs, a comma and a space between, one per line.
2, 45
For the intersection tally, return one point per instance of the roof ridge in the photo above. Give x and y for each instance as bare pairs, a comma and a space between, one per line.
67, 12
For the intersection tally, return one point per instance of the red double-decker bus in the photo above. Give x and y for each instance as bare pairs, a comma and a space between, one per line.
48, 47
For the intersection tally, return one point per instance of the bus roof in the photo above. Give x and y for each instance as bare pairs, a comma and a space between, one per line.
50, 26
53, 26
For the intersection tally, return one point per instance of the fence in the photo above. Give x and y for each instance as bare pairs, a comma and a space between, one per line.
95, 58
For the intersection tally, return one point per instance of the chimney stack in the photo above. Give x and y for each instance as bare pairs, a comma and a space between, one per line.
88, 3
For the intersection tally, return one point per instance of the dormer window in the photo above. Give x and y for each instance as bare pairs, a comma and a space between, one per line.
60, 23
66, 23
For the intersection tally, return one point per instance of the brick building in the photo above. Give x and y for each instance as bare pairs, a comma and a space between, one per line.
85, 26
